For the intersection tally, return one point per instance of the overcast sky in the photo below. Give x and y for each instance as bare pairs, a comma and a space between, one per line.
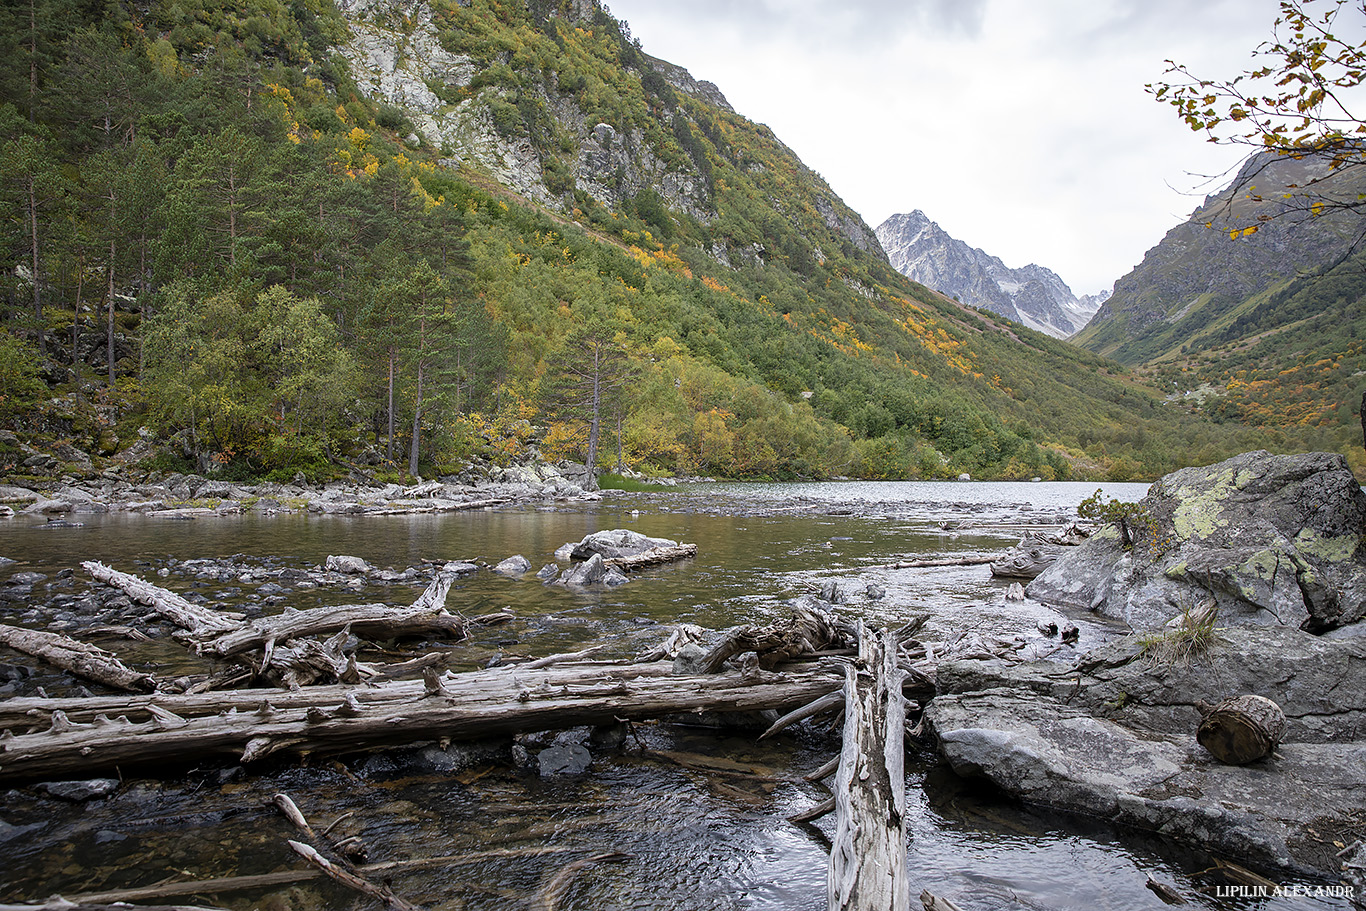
1020, 126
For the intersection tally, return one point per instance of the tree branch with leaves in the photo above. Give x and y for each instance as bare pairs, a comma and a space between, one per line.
1302, 99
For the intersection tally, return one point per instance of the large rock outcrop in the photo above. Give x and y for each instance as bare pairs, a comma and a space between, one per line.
1271, 539
1278, 543
1113, 736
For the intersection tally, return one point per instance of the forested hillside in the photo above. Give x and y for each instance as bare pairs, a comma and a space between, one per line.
222, 238
1252, 312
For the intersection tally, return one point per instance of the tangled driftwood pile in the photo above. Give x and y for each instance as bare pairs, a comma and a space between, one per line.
292, 690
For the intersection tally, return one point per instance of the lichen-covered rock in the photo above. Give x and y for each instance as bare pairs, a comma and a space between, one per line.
1273, 539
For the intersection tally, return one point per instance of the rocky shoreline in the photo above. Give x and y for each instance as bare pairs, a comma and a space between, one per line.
192, 496
1247, 577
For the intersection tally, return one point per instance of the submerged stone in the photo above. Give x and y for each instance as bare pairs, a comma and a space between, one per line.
79, 791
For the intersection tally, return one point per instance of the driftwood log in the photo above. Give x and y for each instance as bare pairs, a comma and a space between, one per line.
80, 658
1025, 562
931, 562
376, 621
285, 648
333, 719
655, 556
1242, 729
198, 620
811, 630
868, 853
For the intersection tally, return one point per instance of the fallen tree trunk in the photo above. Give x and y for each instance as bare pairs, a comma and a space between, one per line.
198, 620
868, 853
82, 659
655, 556
333, 719
811, 629
965, 560
373, 621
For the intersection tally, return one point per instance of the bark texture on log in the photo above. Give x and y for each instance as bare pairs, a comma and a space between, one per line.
655, 556
373, 621
1025, 562
868, 852
425, 616
1242, 729
811, 629
198, 620
344, 719
79, 658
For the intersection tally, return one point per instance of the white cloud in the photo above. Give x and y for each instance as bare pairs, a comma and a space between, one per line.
1021, 126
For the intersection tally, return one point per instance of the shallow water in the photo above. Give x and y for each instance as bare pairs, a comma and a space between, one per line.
697, 837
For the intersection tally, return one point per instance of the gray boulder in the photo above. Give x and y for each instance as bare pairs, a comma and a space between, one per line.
1283, 811
618, 542
1312, 678
80, 791
1271, 539
564, 759
592, 571
1113, 736
342, 563
513, 566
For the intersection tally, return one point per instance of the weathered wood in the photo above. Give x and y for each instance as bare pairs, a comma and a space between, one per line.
80, 658
1165, 892
342, 719
931, 562
1025, 562
1242, 729
868, 853
372, 621
823, 808
351, 880
823, 704
825, 771
655, 556
931, 902
810, 629
192, 617
426, 616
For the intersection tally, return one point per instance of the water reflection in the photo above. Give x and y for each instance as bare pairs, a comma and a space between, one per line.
699, 837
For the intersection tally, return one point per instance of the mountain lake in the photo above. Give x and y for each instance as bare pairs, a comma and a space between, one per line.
699, 816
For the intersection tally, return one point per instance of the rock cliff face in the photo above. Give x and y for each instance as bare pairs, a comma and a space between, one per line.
457, 104
921, 250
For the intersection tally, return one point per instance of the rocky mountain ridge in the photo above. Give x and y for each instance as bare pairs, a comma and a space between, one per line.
1033, 295
1258, 233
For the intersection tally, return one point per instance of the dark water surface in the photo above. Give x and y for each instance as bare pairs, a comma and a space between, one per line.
702, 815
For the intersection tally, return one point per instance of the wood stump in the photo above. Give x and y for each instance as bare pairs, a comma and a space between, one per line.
1242, 729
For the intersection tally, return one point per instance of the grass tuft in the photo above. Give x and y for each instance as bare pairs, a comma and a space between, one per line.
1187, 638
